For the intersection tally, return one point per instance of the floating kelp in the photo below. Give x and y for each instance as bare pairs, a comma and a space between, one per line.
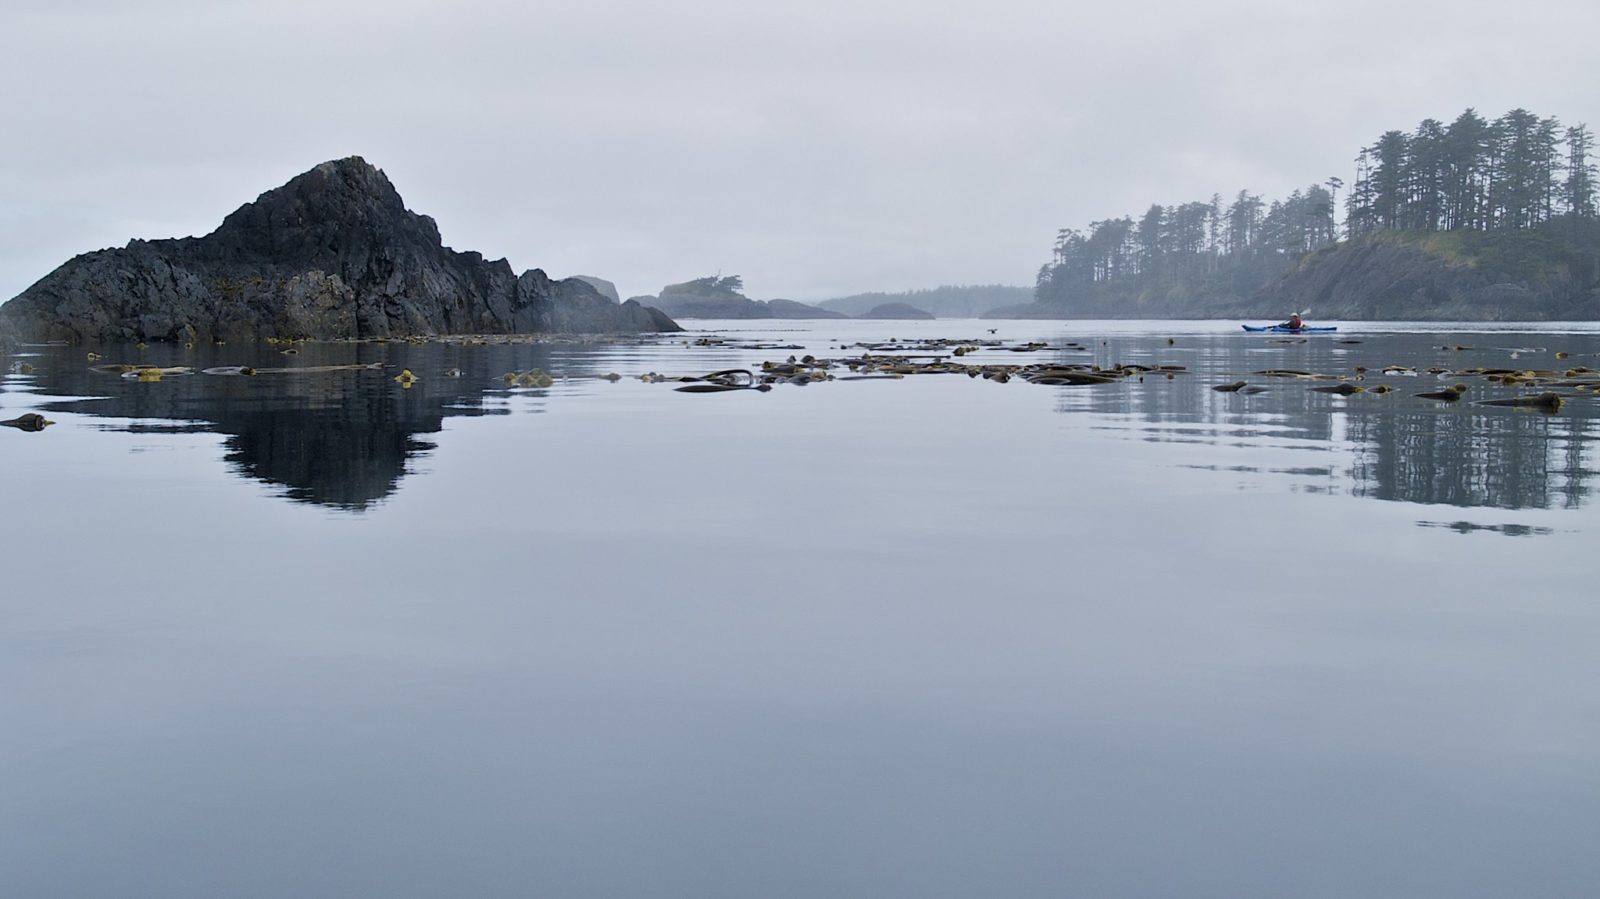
1450, 395
1296, 374
729, 377
533, 377
155, 373
29, 421
1545, 402
1063, 377
721, 388
900, 358
931, 346
810, 369
319, 369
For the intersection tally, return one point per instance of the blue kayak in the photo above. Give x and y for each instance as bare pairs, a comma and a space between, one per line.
1280, 329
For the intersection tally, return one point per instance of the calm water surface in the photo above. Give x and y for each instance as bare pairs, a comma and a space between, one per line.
320, 635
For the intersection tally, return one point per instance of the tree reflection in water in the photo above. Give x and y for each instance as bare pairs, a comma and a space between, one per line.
1396, 446
346, 439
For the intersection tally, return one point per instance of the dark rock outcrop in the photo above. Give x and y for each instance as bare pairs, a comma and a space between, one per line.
333, 254
897, 311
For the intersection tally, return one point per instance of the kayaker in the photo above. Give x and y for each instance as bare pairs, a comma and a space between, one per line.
1294, 323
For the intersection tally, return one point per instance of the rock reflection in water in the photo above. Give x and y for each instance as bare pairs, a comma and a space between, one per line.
342, 439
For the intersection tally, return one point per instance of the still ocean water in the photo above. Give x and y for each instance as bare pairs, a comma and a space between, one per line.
317, 635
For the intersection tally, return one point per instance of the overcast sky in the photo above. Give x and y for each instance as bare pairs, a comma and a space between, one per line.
817, 148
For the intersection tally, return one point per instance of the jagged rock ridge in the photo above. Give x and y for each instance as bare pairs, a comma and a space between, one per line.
332, 254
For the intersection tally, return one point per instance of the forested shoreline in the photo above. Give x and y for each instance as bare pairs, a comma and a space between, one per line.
1510, 201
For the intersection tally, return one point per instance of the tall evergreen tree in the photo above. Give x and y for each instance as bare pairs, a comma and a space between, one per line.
1152, 239
1426, 172
1578, 195
1517, 190
1360, 211
1244, 222
1390, 179
1466, 172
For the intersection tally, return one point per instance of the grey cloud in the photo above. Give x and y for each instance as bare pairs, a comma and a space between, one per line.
816, 149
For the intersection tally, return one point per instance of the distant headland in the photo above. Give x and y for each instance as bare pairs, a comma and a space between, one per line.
332, 254
1477, 220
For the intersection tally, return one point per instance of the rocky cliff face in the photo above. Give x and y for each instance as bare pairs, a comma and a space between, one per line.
333, 254
1388, 280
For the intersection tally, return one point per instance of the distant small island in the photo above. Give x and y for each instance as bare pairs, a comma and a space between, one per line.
945, 301
897, 312
332, 254
721, 296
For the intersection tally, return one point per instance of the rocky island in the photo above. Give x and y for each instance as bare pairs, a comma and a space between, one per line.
333, 254
721, 296
897, 312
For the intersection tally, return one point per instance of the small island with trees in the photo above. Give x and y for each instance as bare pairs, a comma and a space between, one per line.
1474, 220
